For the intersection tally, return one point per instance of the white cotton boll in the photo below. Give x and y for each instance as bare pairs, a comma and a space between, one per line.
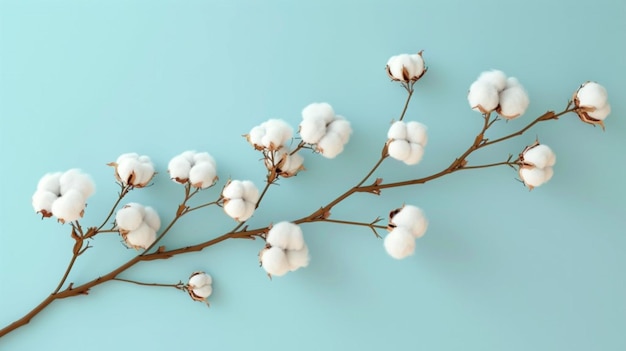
413, 64
495, 78
412, 218
330, 145
319, 111
274, 261
399, 149
248, 212
129, 218
201, 157
151, 218
42, 201
250, 191
273, 139
417, 133
279, 235
143, 173
312, 130
483, 96
298, 258
296, 238
417, 67
50, 182
179, 168
203, 291
533, 177
200, 279
397, 130
140, 238
540, 156
592, 94
395, 67
255, 135
513, 102
235, 208
292, 164
399, 243
277, 133
202, 175
69, 207
233, 190
342, 128
125, 169
600, 113
416, 155
74, 179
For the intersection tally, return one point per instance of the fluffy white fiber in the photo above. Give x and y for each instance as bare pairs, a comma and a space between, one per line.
240, 198
298, 258
138, 225
594, 97
399, 243
63, 195
271, 134
493, 91
274, 261
200, 286
407, 141
288, 164
286, 235
132, 169
323, 129
197, 168
405, 67
537, 165
411, 218
286, 249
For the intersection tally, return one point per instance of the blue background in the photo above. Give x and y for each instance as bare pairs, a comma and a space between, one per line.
500, 268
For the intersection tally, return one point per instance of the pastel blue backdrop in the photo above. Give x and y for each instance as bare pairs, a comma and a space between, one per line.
501, 268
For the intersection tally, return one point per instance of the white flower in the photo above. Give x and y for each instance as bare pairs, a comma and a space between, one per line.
285, 250
494, 91
196, 168
406, 141
323, 129
406, 224
132, 169
63, 195
240, 199
137, 224
200, 286
406, 68
592, 103
536, 164
270, 135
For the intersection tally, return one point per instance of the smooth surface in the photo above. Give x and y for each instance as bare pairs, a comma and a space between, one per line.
500, 268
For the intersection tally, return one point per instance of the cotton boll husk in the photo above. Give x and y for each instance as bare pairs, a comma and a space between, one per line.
319, 111
399, 149
416, 155
233, 190
312, 130
200, 279
495, 78
274, 261
417, 133
141, 237
250, 191
592, 94
483, 95
50, 182
533, 177
201, 157
397, 130
42, 200
280, 234
412, 218
513, 102
69, 207
600, 113
399, 243
202, 175
540, 156
235, 208
129, 218
330, 145
342, 128
179, 168
298, 258
74, 179
152, 218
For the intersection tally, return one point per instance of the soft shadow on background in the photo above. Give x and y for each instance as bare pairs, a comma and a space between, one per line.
500, 268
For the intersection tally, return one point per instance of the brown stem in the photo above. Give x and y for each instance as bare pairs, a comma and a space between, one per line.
67, 272
125, 190
179, 286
